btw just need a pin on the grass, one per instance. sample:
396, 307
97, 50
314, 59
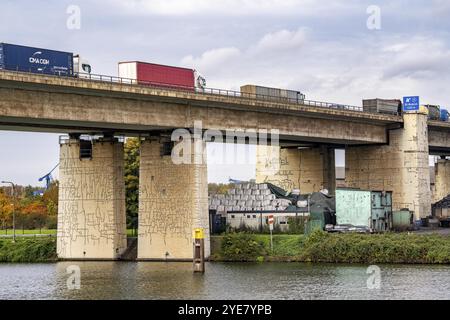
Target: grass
335, 248
318, 247
20, 231
28, 250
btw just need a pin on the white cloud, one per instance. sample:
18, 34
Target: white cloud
420, 58
322, 48
282, 40
327, 70
234, 7
212, 59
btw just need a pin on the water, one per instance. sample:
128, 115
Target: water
150, 280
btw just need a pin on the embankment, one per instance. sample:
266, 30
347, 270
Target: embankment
319, 247
388, 248
28, 250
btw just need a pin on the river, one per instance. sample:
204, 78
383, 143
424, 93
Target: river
153, 280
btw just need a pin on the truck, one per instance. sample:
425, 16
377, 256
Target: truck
152, 74
44, 61
274, 94
388, 106
434, 112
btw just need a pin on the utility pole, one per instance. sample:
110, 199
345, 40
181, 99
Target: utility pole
14, 207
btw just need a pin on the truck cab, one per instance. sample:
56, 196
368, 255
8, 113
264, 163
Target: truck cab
81, 67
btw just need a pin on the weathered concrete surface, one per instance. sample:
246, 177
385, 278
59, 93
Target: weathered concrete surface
173, 201
91, 211
441, 187
401, 167
47, 103
439, 138
309, 170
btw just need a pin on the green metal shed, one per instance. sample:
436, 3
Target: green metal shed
372, 209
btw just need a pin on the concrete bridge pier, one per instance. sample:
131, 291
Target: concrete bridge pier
91, 211
402, 166
442, 180
173, 200
308, 169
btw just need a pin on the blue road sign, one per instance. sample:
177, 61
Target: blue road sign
411, 103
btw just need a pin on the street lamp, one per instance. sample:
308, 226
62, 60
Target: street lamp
14, 213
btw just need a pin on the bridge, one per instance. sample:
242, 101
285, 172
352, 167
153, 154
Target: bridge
383, 152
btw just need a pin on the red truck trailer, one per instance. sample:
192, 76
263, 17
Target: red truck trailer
157, 75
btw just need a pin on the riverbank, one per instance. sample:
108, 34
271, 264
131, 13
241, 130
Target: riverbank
395, 248
402, 248
28, 250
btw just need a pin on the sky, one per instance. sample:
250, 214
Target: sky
336, 51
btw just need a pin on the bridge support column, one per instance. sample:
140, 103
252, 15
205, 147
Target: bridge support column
173, 201
401, 167
442, 182
309, 170
91, 210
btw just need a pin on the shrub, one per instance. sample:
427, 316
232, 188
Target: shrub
242, 247
28, 250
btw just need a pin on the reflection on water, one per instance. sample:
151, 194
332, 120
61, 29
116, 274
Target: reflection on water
152, 280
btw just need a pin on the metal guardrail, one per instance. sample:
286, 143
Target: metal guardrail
205, 91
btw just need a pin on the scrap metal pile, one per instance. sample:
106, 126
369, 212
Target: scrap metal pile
444, 203
248, 197
441, 211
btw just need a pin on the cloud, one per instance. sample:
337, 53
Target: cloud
228, 61
321, 48
282, 40
366, 66
212, 59
234, 7
419, 58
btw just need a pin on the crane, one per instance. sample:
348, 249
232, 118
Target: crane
48, 177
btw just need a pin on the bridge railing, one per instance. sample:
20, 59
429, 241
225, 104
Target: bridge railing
206, 91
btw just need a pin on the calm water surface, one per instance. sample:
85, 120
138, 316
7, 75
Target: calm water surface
148, 280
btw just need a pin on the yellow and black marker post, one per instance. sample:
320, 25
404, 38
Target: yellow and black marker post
199, 250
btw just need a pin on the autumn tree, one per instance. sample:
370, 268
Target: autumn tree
50, 199
219, 188
33, 214
6, 209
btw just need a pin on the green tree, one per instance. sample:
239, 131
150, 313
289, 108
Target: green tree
132, 159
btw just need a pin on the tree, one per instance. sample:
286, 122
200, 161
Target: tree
34, 214
219, 188
132, 161
6, 209
50, 199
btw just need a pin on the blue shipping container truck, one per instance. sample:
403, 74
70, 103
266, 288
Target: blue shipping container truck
36, 60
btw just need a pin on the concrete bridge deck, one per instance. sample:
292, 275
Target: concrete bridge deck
33, 102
